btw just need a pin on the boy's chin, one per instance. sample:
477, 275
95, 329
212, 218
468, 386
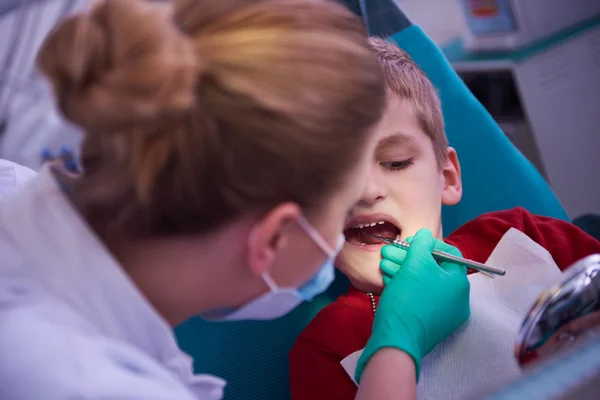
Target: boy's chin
362, 269
368, 285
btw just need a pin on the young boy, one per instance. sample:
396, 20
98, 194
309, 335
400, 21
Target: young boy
415, 173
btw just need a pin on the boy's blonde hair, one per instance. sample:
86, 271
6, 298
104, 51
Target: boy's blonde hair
406, 80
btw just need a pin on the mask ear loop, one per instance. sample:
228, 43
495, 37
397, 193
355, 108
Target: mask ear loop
266, 277
315, 236
310, 231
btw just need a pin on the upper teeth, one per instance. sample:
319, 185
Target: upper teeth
360, 226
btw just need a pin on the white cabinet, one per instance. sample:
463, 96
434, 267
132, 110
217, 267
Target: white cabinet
559, 89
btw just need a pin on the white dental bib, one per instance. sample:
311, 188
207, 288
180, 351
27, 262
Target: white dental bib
480, 355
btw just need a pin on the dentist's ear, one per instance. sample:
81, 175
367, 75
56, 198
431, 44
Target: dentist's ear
269, 235
452, 190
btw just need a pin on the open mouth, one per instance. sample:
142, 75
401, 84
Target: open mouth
359, 234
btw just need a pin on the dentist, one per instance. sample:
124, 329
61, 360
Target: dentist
225, 143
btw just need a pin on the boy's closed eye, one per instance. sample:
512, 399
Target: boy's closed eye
397, 165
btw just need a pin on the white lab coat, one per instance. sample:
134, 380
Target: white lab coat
12, 176
72, 324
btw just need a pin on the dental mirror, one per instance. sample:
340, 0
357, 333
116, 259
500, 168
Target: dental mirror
564, 315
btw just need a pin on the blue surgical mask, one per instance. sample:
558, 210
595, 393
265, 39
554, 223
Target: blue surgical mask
279, 301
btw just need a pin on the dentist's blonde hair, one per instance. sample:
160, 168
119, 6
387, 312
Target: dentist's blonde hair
199, 111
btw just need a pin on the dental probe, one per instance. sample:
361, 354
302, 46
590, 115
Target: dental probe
443, 256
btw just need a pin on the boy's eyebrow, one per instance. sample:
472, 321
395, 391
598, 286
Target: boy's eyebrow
396, 139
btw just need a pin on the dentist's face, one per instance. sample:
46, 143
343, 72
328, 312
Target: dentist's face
297, 257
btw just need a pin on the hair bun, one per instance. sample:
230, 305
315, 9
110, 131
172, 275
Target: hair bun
123, 63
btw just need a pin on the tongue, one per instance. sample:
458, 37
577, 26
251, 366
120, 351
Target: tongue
386, 230
366, 239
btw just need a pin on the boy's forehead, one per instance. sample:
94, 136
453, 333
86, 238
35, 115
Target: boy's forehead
399, 115
398, 138
399, 126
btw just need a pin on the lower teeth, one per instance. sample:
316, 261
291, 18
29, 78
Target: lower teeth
397, 238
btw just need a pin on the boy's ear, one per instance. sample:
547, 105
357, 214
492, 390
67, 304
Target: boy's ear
452, 191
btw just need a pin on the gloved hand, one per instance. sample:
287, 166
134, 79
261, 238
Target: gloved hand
422, 304
69, 161
393, 257
390, 268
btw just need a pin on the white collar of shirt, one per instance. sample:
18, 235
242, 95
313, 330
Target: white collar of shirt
74, 266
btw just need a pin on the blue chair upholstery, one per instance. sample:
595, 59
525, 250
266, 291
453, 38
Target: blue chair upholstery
253, 356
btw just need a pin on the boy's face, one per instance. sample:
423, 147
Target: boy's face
405, 191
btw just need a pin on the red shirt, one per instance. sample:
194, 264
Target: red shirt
344, 326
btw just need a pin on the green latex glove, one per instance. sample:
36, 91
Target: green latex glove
391, 264
390, 268
422, 304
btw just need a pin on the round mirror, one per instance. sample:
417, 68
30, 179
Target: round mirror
564, 315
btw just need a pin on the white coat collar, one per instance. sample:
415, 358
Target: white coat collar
75, 267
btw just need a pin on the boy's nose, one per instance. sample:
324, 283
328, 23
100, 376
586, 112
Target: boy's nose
375, 190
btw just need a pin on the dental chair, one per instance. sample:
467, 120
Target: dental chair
253, 356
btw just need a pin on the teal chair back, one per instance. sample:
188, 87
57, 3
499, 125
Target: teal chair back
253, 356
